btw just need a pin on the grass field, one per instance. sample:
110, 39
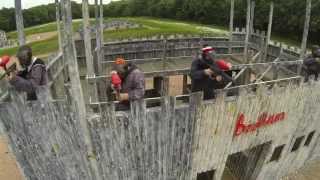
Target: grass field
50, 27
150, 27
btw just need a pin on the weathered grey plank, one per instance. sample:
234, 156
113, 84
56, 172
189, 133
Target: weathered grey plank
19, 22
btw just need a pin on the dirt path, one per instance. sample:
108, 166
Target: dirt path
40, 36
8, 167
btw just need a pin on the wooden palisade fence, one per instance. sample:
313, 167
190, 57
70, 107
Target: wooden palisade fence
264, 132
171, 141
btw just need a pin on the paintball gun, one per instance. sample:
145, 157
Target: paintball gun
218, 68
3, 63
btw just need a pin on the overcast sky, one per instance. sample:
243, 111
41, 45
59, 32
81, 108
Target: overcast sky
31, 3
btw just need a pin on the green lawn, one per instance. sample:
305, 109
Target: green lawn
150, 27
39, 48
50, 27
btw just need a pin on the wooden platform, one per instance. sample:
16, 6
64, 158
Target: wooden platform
8, 166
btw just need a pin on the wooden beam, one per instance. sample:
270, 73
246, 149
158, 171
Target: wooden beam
264, 82
246, 77
99, 49
164, 57
19, 23
152, 60
93, 92
253, 6
246, 44
58, 17
63, 41
267, 70
76, 89
185, 84
305, 32
231, 24
265, 56
187, 70
236, 77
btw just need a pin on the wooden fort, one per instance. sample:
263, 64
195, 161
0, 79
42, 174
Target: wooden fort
261, 129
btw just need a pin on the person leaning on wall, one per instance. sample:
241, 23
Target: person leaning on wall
128, 82
32, 75
202, 77
311, 64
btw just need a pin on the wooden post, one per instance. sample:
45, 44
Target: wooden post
231, 24
276, 66
269, 31
19, 23
247, 31
161, 85
76, 89
63, 41
87, 44
58, 24
164, 57
253, 5
305, 33
246, 45
185, 84
99, 49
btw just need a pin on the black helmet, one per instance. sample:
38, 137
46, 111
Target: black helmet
24, 55
316, 51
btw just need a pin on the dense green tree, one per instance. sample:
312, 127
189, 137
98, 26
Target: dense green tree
289, 15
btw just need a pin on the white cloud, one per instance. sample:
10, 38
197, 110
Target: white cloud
31, 3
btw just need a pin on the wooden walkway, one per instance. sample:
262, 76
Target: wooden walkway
8, 166
310, 172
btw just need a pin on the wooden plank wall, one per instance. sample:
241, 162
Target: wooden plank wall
152, 50
45, 139
167, 142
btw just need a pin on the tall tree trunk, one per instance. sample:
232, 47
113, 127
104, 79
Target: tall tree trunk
19, 22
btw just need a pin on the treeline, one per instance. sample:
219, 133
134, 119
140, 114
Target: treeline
288, 14
34, 16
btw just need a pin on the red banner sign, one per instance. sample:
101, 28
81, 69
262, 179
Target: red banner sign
264, 119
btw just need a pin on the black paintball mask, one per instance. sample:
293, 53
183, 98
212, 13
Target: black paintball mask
208, 54
316, 53
24, 56
124, 69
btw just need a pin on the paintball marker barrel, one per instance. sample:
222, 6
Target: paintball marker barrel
220, 72
12, 68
